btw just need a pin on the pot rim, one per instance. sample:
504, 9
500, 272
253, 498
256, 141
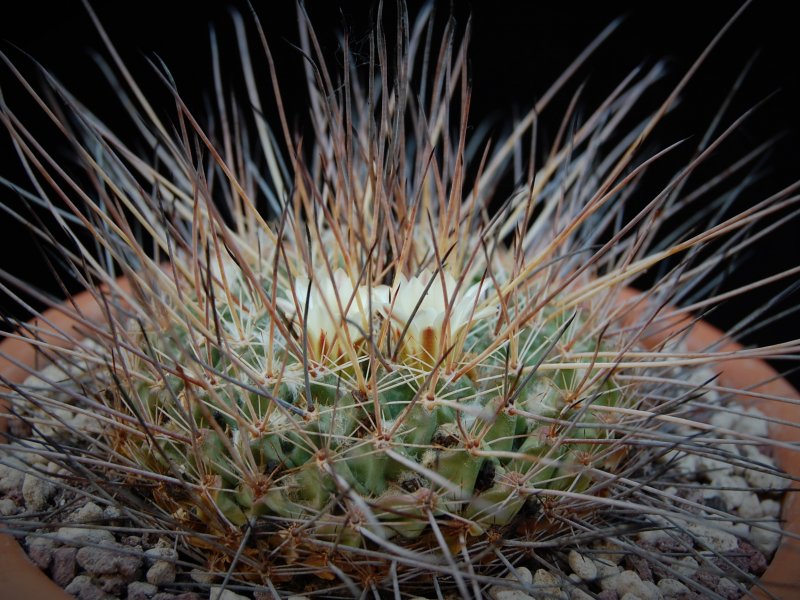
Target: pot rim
20, 578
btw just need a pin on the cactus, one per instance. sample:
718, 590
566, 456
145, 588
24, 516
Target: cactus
399, 401
376, 380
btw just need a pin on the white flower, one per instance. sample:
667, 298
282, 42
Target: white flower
426, 336
334, 311
426, 331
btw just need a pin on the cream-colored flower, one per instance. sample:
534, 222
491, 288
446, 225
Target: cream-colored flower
336, 311
426, 333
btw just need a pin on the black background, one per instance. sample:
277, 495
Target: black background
517, 50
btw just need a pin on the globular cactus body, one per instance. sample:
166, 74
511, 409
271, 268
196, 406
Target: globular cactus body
412, 437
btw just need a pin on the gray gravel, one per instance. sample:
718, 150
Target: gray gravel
94, 562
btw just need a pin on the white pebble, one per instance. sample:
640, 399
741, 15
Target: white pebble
161, 573
713, 467
712, 538
35, 459
723, 420
201, 576
628, 582
688, 463
728, 588
76, 536
521, 574
681, 461
686, 566
156, 554
609, 551
729, 451
7, 507
739, 529
84, 422
605, 572
661, 530
576, 593
752, 423
549, 586
141, 590
765, 481
83, 587
766, 541
111, 513
702, 377
770, 508
653, 591
500, 593
583, 567
750, 508
754, 453
12, 474
37, 492
50, 372
87, 513
653, 537
217, 593
734, 490
672, 588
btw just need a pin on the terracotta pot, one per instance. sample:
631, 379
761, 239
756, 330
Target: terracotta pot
19, 578
782, 577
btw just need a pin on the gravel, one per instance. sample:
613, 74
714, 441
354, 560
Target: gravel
110, 559
672, 588
65, 565
160, 553
81, 536
12, 474
549, 586
37, 491
583, 567
83, 587
88, 513
40, 551
89, 558
161, 573
522, 575
218, 593
141, 590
